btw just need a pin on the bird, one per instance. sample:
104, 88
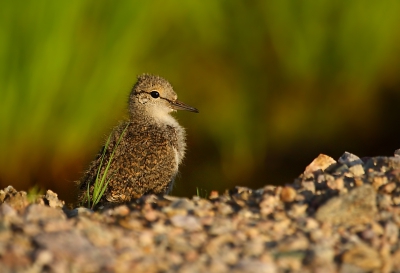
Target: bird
143, 153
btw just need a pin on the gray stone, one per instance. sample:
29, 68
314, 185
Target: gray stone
356, 207
350, 159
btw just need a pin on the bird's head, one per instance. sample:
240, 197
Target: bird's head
155, 96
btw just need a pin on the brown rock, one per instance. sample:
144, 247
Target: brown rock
190, 223
378, 181
73, 246
389, 188
356, 207
40, 213
53, 200
254, 266
214, 195
336, 184
391, 232
320, 163
16, 199
362, 256
288, 194
357, 170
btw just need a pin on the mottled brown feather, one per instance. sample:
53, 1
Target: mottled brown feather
150, 150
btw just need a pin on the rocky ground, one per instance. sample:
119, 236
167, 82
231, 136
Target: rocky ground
338, 216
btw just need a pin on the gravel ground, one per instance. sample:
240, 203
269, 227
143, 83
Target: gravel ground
338, 216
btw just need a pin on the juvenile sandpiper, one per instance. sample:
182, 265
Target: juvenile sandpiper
147, 149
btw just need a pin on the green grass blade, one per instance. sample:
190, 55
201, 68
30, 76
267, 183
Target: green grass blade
101, 183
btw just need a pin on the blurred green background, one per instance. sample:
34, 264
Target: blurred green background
276, 83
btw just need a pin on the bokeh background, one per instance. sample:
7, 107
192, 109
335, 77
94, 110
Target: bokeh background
276, 83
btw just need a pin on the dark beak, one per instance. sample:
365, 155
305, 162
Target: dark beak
178, 105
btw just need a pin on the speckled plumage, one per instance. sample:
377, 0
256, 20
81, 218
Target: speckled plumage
147, 158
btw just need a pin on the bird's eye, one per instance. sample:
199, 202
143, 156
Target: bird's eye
154, 94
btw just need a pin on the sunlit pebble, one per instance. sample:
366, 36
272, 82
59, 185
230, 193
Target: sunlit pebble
146, 238
391, 232
53, 226
214, 195
308, 186
43, 257
150, 215
218, 266
197, 239
183, 203
396, 200
357, 170
175, 258
384, 201
362, 256
311, 223
240, 236
207, 221
176, 231
122, 210
191, 255
203, 204
390, 187
224, 209
379, 181
190, 223
317, 235
222, 226
298, 210
294, 243
290, 263
336, 184
288, 194
358, 181
204, 213
32, 229
131, 223
229, 257
254, 248
170, 212
36, 213
268, 204
53, 200
7, 211
252, 232
254, 266
368, 234
280, 216
160, 227
197, 266
245, 213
